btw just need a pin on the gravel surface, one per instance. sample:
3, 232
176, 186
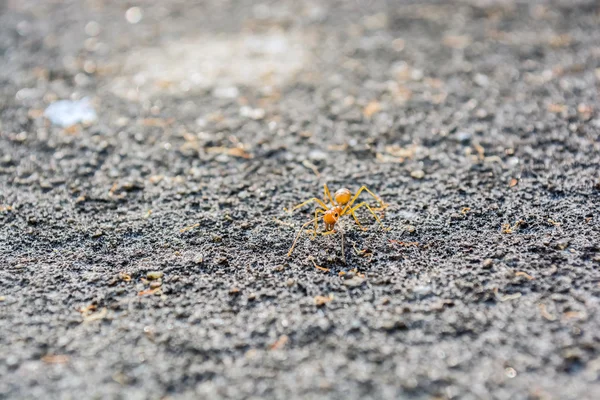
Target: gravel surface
143, 255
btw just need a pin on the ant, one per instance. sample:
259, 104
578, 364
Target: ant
341, 204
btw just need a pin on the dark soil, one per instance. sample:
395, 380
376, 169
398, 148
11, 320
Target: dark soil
477, 121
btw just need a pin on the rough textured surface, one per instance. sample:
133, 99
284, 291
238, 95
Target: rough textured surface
477, 121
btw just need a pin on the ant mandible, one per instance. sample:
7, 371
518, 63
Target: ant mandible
341, 204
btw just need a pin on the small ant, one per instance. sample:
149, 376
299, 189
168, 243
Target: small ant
341, 204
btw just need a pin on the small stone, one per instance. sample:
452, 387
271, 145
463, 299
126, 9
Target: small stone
421, 291
45, 185
98, 233
6, 160
562, 244
222, 260
252, 296
392, 325
410, 229
198, 259
133, 15
481, 80
463, 137
234, 291
226, 92
290, 282
317, 155
354, 282
154, 275
418, 174
12, 362
155, 284
488, 263
67, 113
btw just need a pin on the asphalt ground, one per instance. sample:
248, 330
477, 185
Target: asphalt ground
144, 255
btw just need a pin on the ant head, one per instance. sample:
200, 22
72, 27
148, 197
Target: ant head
331, 217
342, 196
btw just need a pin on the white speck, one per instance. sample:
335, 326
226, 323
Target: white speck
23, 28
317, 155
254, 113
416, 74
510, 372
28, 93
81, 79
92, 28
67, 113
133, 15
89, 66
422, 290
481, 80
226, 92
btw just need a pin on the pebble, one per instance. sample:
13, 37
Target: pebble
67, 113
463, 137
422, 290
410, 228
354, 282
11, 361
317, 155
417, 174
155, 284
488, 263
226, 92
154, 275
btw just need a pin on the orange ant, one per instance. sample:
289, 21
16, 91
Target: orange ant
341, 204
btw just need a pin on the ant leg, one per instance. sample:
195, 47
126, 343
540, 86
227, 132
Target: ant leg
382, 204
317, 212
318, 201
298, 236
328, 194
357, 221
343, 253
364, 204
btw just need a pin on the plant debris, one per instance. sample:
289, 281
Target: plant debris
311, 258
404, 244
526, 275
150, 291
322, 300
507, 297
545, 312
231, 151
372, 108
95, 317
508, 229
56, 359
280, 342
189, 228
